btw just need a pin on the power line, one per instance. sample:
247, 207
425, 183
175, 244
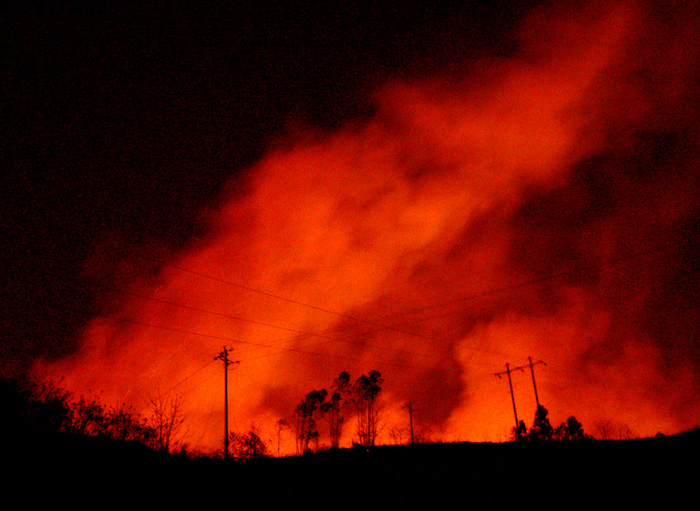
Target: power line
261, 323
380, 326
186, 378
228, 339
616, 263
616, 266
498, 290
494, 291
300, 332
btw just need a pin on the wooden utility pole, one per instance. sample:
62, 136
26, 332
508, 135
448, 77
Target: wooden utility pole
512, 395
409, 408
223, 356
532, 372
508, 370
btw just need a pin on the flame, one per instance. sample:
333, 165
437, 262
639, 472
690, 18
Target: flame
473, 221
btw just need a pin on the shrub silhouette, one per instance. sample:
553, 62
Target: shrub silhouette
248, 446
519, 433
570, 430
542, 429
45, 406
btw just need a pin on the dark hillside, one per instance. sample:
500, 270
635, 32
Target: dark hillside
49, 471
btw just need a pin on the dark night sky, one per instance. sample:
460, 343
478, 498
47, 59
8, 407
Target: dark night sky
130, 120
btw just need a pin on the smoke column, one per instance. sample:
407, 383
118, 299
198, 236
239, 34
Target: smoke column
540, 204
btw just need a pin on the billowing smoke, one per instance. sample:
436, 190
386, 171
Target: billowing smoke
542, 204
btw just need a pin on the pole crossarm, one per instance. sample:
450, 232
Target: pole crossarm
520, 368
223, 356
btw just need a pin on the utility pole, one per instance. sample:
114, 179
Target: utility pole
409, 408
508, 370
532, 372
223, 356
512, 395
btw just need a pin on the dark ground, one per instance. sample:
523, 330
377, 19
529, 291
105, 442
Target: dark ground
47, 472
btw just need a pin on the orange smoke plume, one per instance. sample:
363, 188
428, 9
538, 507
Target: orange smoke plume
529, 205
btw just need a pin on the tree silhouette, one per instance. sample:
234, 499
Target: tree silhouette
306, 414
571, 430
366, 391
519, 433
88, 417
167, 421
281, 425
335, 407
541, 427
247, 446
127, 425
27, 403
15, 396
54, 405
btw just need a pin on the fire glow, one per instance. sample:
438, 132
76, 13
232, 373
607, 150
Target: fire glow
473, 221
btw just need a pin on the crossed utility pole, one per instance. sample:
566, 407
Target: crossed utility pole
509, 370
223, 356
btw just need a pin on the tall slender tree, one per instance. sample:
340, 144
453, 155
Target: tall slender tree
307, 413
366, 391
334, 408
167, 420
